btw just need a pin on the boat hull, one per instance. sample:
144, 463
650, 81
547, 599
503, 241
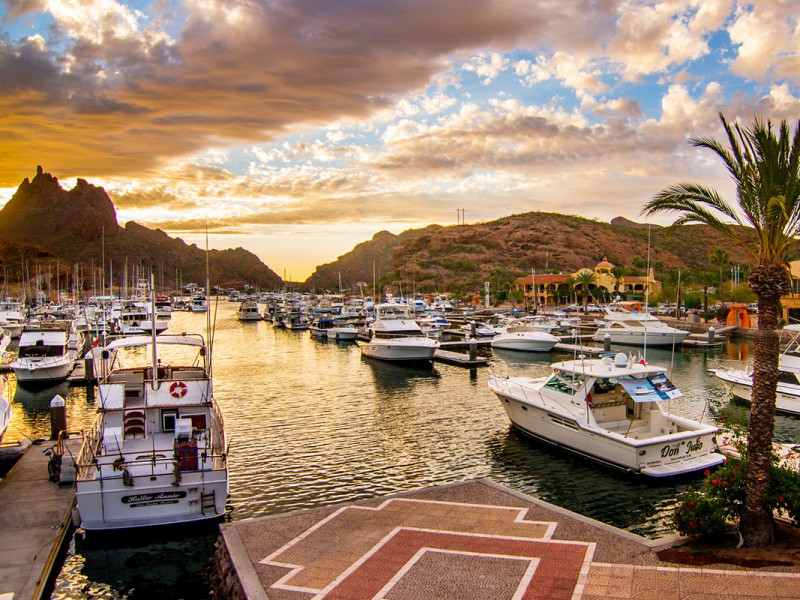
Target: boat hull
740, 383
400, 350
635, 338
658, 456
35, 371
111, 505
523, 343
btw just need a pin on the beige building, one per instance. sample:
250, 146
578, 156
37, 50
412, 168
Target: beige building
790, 305
557, 288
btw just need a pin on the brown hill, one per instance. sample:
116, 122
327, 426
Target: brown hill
43, 222
465, 256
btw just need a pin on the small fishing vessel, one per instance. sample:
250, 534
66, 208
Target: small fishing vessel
156, 454
248, 311
342, 330
615, 411
47, 352
787, 398
524, 336
396, 336
629, 323
320, 326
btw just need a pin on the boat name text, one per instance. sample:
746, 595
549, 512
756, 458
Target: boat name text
691, 447
151, 499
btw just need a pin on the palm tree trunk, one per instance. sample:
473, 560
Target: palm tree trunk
757, 525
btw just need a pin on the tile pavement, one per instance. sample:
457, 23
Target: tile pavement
474, 540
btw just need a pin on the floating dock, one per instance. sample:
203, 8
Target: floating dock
35, 522
459, 359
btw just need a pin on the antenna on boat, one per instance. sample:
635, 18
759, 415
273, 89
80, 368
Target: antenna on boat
155, 383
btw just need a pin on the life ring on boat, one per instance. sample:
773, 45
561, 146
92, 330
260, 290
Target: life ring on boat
178, 389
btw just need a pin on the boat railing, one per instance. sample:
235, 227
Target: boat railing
39, 362
538, 398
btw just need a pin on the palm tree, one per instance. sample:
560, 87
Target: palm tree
720, 258
765, 167
585, 278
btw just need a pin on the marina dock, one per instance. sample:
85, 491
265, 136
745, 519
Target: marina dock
35, 520
459, 359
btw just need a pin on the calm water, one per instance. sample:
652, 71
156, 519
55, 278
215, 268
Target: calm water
311, 423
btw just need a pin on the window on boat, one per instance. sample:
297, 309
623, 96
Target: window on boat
168, 418
566, 383
40, 350
787, 377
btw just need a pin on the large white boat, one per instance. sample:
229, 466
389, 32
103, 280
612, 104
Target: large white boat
525, 337
396, 336
47, 352
156, 454
248, 311
629, 323
342, 330
615, 411
12, 317
787, 398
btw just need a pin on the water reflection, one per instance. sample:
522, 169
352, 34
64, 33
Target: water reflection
311, 424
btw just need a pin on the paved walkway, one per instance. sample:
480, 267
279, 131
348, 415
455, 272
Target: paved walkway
470, 541
34, 515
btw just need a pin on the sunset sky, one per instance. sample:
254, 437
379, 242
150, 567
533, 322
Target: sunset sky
299, 128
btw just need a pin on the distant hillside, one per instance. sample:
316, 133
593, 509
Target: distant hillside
43, 221
465, 256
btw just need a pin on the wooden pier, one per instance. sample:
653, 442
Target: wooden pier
35, 522
459, 359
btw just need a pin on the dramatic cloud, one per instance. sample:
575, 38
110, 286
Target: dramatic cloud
289, 116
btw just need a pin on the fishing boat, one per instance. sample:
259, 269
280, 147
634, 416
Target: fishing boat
12, 317
524, 336
342, 330
629, 323
612, 410
156, 454
248, 311
787, 397
47, 352
319, 327
396, 336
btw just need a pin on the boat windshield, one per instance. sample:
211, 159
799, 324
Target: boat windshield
566, 383
40, 350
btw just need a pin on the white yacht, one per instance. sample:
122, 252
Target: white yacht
342, 330
156, 454
47, 352
524, 336
615, 411
136, 318
12, 317
319, 327
396, 336
787, 398
629, 323
248, 311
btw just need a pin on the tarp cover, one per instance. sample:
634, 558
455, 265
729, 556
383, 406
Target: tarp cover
655, 388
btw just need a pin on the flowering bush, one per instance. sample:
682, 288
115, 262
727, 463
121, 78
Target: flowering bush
716, 508
698, 515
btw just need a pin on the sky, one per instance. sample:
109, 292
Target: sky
299, 128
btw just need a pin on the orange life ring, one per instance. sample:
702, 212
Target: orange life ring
178, 389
